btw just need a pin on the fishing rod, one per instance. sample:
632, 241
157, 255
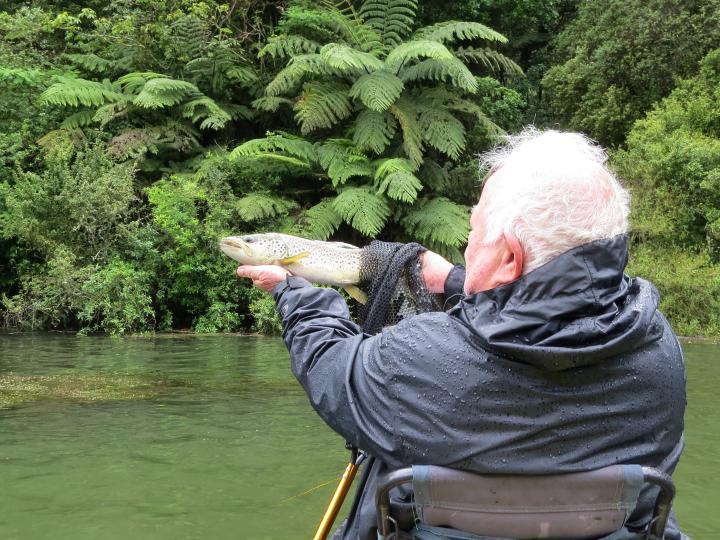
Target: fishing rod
341, 491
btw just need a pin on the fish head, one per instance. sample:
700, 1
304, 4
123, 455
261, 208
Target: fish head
254, 248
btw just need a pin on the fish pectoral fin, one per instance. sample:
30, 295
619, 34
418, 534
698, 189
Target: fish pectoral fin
356, 293
294, 258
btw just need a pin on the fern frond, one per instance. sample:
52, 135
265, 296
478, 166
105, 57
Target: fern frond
107, 113
318, 222
341, 160
441, 70
412, 50
395, 176
164, 92
206, 109
443, 131
374, 130
433, 175
469, 107
293, 74
246, 76
449, 31
257, 206
21, 76
391, 19
132, 83
493, 61
377, 90
362, 209
72, 92
79, 119
349, 24
90, 62
406, 113
284, 46
270, 103
346, 59
438, 220
322, 105
294, 146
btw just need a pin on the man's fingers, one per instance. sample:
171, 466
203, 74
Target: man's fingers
247, 271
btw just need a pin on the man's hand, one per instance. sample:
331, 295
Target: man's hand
264, 276
435, 270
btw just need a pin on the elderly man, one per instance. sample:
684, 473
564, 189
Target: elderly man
553, 360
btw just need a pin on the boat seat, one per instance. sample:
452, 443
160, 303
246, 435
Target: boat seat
455, 504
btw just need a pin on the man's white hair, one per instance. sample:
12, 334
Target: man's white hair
555, 193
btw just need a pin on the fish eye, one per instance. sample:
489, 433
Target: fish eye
248, 240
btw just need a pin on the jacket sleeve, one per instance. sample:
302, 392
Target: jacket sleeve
339, 367
454, 285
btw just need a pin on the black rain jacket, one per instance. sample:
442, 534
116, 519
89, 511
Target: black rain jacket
570, 368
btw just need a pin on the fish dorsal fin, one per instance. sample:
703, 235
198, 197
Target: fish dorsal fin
294, 258
342, 245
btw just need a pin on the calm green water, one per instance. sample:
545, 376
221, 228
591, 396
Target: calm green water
217, 453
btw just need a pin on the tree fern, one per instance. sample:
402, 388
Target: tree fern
443, 131
294, 147
341, 160
433, 175
290, 77
395, 177
72, 92
391, 19
412, 50
362, 209
377, 90
256, 206
163, 92
133, 83
492, 60
449, 31
319, 221
441, 70
322, 105
374, 130
345, 58
90, 62
203, 108
438, 221
406, 114
270, 103
284, 46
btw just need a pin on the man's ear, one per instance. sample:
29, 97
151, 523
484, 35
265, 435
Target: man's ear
513, 259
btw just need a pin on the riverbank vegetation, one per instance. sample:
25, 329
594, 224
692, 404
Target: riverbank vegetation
135, 135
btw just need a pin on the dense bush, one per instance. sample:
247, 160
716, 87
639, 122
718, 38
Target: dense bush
618, 57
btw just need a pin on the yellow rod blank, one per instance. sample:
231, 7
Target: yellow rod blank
336, 502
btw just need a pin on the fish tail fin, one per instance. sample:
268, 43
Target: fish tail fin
356, 293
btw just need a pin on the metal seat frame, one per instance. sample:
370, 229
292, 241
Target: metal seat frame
655, 529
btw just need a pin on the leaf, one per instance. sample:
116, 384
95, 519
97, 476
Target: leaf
322, 105
344, 58
90, 62
318, 222
443, 131
257, 206
412, 50
284, 46
406, 113
492, 60
441, 70
270, 103
374, 130
164, 92
73, 92
449, 31
342, 161
377, 90
438, 220
363, 209
391, 19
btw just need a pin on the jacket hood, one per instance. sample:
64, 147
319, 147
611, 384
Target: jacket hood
575, 310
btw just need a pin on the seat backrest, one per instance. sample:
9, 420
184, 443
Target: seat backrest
579, 505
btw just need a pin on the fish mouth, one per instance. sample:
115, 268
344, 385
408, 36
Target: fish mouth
231, 244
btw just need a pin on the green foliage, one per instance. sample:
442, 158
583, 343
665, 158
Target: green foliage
689, 287
613, 66
264, 313
673, 164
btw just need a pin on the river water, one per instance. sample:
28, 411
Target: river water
225, 445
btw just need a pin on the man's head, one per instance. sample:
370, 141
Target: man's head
547, 193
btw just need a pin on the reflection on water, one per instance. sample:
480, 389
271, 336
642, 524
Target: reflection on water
220, 452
